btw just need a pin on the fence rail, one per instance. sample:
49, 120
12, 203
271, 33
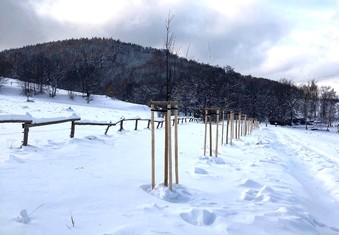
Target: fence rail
27, 125
76, 121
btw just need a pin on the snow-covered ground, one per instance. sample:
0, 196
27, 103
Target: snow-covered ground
278, 180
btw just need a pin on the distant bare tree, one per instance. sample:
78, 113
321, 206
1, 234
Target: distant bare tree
5, 68
314, 97
2, 81
328, 99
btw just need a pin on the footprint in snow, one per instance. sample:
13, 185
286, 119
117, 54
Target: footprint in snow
199, 217
249, 183
212, 160
16, 159
200, 171
264, 194
152, 207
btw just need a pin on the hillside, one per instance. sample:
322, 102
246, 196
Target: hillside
133, 73
137, 74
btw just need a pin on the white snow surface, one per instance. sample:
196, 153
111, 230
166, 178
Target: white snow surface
278, 180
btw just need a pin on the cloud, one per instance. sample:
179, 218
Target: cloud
238, 37
19, 25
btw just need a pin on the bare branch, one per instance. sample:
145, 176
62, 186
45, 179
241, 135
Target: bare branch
170, 38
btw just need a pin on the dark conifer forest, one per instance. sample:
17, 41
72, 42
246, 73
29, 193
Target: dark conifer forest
137, 74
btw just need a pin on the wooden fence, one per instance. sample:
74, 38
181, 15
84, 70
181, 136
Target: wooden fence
26, 126
27, 123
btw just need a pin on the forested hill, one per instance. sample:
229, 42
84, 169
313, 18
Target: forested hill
137, 74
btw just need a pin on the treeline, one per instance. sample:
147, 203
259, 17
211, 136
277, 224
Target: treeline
137, 74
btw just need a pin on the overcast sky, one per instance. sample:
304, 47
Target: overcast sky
292, 39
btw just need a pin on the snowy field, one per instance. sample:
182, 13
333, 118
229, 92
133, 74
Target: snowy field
279, 180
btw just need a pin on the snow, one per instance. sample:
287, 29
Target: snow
16, 117
278, 180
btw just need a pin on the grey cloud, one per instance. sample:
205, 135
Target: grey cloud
18, 24
242, 42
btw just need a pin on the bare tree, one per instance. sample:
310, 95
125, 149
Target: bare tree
309, 101
169, 48
314, 95
328, 98
3, 80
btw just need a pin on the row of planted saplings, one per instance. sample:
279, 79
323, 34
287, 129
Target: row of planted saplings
233, 126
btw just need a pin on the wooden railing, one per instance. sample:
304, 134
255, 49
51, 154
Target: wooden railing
27, 123
26, 126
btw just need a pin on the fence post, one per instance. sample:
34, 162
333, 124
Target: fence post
72, 129
136, 124
26, 130
121, 125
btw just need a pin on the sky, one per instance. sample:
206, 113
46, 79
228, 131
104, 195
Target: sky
291, 39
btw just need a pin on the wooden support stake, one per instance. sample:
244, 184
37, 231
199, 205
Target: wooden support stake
239, 125
153, 146
205, 139
176, 145
168, 163
246, 122
210, 136
236, 127
216, 135
222, 128
169, 139
227, 126
232, 127
166, 152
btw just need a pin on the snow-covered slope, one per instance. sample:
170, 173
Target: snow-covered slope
275, 181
